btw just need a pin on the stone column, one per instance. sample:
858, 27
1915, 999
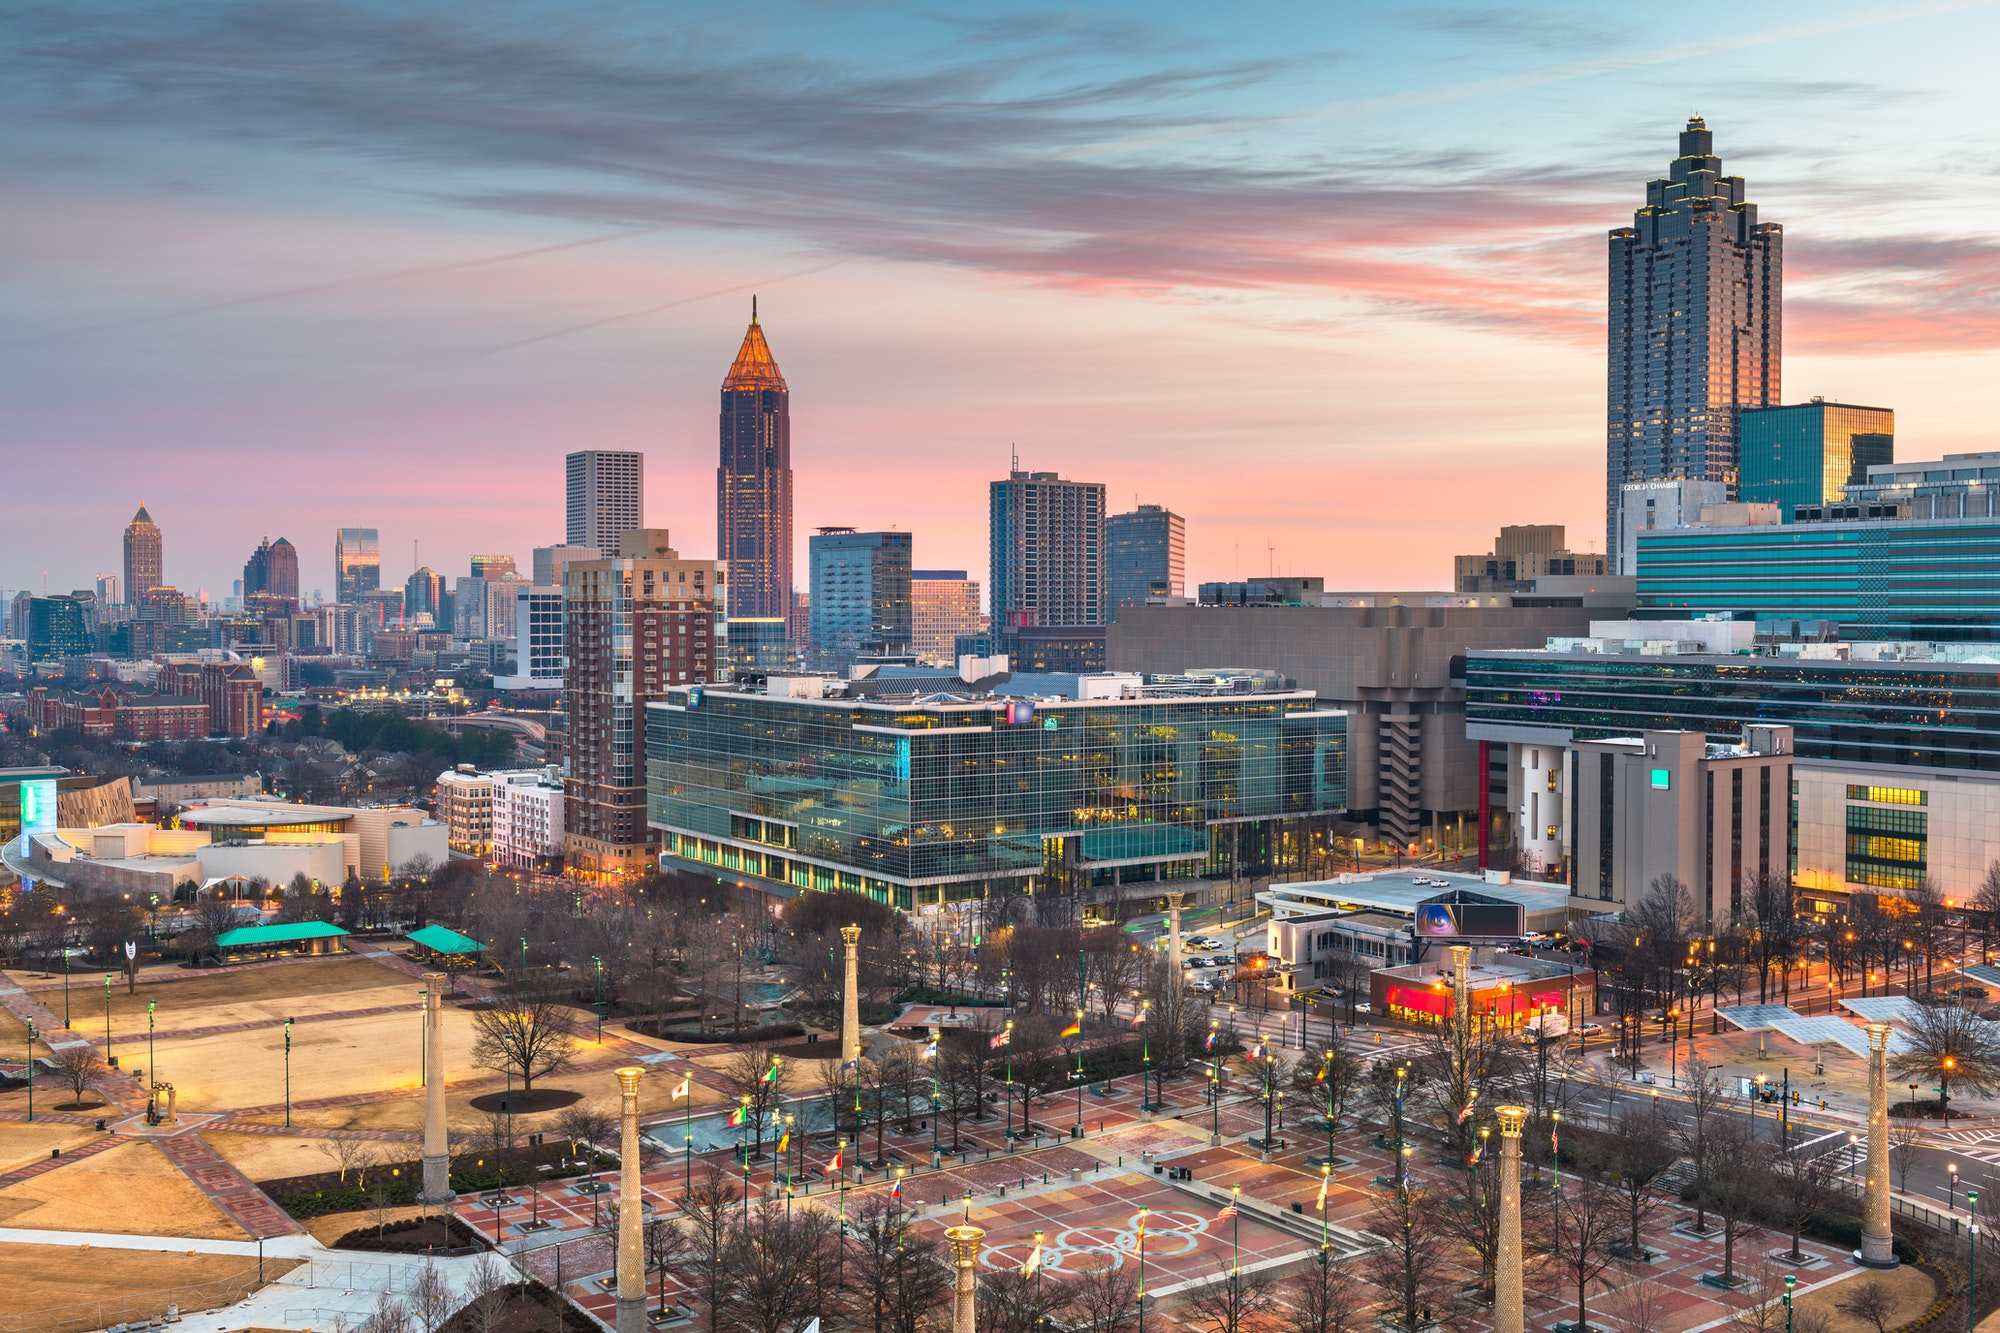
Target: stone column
850, 998
1876, 1250
437, 1141
631, 1210
965, 1260
1174, 937
1461, 992
1509, 1312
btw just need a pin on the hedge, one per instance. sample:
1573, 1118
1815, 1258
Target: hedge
767, 1032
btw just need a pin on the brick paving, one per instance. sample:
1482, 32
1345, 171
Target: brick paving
246, 1205
48, 1164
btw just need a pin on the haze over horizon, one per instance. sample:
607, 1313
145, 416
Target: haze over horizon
1331, 286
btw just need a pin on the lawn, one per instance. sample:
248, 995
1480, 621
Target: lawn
51, 1278
131, 1189
212, 997
23, 1144
1910, 1286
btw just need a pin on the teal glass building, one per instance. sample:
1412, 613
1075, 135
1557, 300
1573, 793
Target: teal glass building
1932, 579
1805, 454
947, 799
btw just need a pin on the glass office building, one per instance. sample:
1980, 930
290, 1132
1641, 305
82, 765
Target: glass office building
1808, 453
860, 594
1146, 556
1937, 715
1935, 579
918, 803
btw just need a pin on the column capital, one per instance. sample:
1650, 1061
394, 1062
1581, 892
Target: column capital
1511, 1120
965, 1244
851, 934
1878, 1036
628, 1079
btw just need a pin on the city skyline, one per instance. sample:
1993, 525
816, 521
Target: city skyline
1331, 329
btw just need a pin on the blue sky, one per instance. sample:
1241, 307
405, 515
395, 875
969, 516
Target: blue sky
1327, 279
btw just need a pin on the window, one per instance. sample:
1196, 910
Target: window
1888, 795
1887, 848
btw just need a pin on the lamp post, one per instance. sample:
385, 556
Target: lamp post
1972, 1260
1790, 1281
288, 1073
1009, 1044
1951, 1187
1401, 1177
1146, 1102
107, 1015
65, 983
152, 1071
1325, 1069
1078, 1132
600, 998
30, 1071
1214, 1088
1142, 1270
507, 1041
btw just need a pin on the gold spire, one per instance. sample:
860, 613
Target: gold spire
754, 367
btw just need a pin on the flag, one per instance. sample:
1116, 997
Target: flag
1209, 1045
738, 1116
855, 1063
896, 1190
1320, 1077
682, 1090
1000, 1038
834, 1165
1139, 1018
1467, 1112
784, 1139
771, 1075
1073, 1030
1258, 1054
1228, 1210
1319, 1205
1034, 1262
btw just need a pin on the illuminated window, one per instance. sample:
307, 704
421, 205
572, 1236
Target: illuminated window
1888, 795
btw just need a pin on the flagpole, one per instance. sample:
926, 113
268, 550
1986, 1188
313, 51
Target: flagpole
1235, 1232
1142, 1270
687, 1128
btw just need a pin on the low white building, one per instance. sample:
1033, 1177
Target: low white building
528, 819
465, 806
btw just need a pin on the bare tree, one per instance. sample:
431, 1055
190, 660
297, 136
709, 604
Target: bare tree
584, 1126
387, 1316
1947, 1044
1761, 1304
1738, 1183
1012, 1302
1231, 1302
895, 1272
752, 1074
430, 1297
1636, 1154
1870, 1301
1105, 1300
1588, 1217
527, 1031
356, 1155
772, 1269
1640, 1305
1325, 1298
80, 1069
1801, 1186
1414, 1270
667, 1244
1906, 1148
1708, 1099
709, 1210
486, 1294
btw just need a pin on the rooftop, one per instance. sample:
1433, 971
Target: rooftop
251, 813
1400, 891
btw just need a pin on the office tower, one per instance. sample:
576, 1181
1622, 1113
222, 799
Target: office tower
634, 623
550, 561
860, 594
1047, 550
1520, 555
605, 497
758, 644
492, 566
110, 592
1809, 453
753, 485
483, 608
421, 594
58, 627
144, 557
1695, 301
538, 639
357, 562
944, 604
1147, 556
272, 571
1646, 506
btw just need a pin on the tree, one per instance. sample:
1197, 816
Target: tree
1947, 1042
584, 1126
80, 1069
1906, 1147
667, 1244
1801, 1185
709, 1208
431, 1297
1325, 1298
1708, 1100
1105, 1300
771, 1261
1588, 1216
485, 1294
526, 1031
1634, 1156
896, 1273
1010, 1302
356, 1155
1640, 1305
752, 1074
1870, 1301
1414, 1270
1231, 1302
1739, 1182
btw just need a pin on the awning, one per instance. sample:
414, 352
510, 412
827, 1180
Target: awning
290, 933
1422, 1001
441, 939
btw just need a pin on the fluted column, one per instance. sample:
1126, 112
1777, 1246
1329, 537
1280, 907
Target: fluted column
965, 1261
1509, 1310
631, 1209
850, 995
1461, 989
1877, 1249
437, 1141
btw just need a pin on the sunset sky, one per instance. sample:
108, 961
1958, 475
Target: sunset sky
1328, 279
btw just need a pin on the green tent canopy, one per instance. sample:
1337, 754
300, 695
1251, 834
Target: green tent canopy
439, 939
291, 932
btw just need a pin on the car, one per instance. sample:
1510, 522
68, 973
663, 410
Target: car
1590, 1029
1361, 1007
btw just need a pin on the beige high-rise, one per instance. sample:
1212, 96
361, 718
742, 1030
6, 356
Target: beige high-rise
631, 1209
1877, 1248
965, 1263
1509, 1308
437, 1141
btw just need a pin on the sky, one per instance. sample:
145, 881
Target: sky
1325, 278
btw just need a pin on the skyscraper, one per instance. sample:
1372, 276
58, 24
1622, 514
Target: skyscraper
1046, 543
753, 485
1146, 553
944, 604
1810, 453
144, 558
1695, 297
357, 562
606, 497
422, 594
271, 571
634, 623
860, 594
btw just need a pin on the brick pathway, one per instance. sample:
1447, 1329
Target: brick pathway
48, 1164
115, 1086
279, 1131
253, 1024
246, 1205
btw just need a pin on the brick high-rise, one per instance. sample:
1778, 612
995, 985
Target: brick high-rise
143, 557
753, 484
1696, 291
634, 623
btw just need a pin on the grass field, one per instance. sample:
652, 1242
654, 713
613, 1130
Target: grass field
213, 997
79, 1281
23, 1144
1911, 1287
131, 1189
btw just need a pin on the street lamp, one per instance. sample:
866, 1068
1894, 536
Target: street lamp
107, 1015
1214, 1087
1972, 1259
600, 998
1951, 1186
1790, 1281
32, 1034
288, 1073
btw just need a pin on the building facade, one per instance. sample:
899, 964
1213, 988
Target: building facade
1145, 556
634, 625
1647, 506
920, 804
1047, 549
759, 644
145, 556
119, 713
538, 639
423, 595
232, 692
58, 627
271, 572
1694, 336
528, 820
944, 604
604, 497
357, 562
547, 563
860, 594
1520, 555
1805, 454
753, 481
465, 808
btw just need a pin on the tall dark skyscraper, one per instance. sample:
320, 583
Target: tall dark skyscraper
1696, 292
143, 557
357, 562
1047, 546
753, 486
272, 571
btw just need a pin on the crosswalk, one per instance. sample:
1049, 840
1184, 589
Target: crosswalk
1980, 1145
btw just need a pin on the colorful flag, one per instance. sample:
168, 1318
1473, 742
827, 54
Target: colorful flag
1139, 1018
1000, 1038
1320, 1077
1467, 1112
682, 1090
1320, 1204
1073, 1030
896, 1190
739, 1116
834, 1165
784, 1139
1034, 1262
1209, 1045
1228, 1210
1258, 1054
853, 1064
771, 1075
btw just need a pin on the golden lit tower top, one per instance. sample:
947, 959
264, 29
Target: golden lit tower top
754, 367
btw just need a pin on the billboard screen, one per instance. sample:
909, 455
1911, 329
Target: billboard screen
38, 805
1476, 921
